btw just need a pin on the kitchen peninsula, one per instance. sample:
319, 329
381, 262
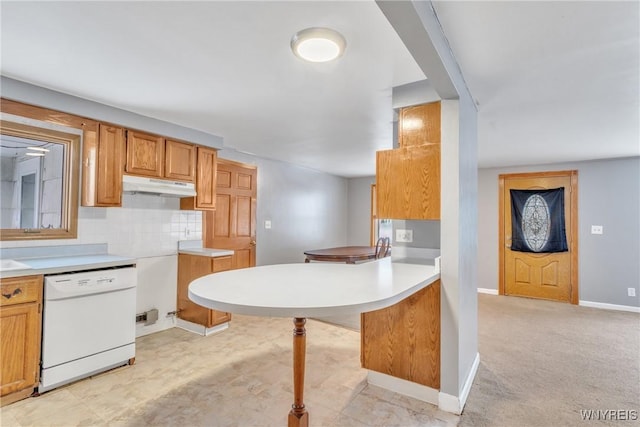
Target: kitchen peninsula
314, 290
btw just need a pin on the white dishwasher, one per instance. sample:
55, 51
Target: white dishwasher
88, 324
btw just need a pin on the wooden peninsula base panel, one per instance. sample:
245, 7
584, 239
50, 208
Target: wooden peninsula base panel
403, 340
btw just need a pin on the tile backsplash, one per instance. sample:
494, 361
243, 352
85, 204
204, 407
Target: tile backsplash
144, 226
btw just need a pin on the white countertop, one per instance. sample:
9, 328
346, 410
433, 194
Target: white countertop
213, 253
52, 265
313, 289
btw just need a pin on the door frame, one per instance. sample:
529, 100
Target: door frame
573, 212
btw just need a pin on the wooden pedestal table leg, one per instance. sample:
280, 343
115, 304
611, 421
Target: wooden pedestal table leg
298, 416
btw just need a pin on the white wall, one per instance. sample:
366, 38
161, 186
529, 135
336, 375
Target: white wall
608, 195
307, 209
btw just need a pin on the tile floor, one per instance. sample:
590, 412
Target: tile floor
241, 376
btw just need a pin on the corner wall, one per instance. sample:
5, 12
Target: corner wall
608, 195
307, 209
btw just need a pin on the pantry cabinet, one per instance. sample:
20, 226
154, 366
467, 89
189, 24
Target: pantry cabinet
20, 328
103, 158
408, 183
419, 124
206, 167
408, 178
190, 268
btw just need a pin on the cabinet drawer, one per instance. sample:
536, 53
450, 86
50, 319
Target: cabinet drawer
19, 290
222, 263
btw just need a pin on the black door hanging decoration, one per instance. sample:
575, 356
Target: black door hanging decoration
537, 221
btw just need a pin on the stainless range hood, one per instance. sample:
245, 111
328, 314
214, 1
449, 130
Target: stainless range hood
160, 187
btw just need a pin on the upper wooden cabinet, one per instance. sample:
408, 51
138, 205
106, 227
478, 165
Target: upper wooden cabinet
145, 154
103, 158
408, 182
205, 182
408, 178
20, 326
179, 160
419, 124
151, 155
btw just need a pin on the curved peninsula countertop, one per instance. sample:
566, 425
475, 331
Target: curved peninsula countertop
310, 290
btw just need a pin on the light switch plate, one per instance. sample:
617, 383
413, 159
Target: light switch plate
267, 224
596, 229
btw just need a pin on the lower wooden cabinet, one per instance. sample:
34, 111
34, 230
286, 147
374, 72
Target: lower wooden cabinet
191, 267
404, 340
20, 329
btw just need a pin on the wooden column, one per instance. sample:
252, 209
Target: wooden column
298, 416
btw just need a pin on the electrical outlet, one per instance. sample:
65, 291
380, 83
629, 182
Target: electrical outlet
405, 236
631, 292
596, 229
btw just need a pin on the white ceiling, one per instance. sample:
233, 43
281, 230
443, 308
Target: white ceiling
553, 81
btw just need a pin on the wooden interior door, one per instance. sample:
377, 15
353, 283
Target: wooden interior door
233, 224
552, 276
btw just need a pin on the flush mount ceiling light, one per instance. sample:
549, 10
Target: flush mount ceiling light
318, 44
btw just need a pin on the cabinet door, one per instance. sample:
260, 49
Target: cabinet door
218, 264
206, 178
145, 154
20, 329
180, 160
19, 347
191, 267
408, 183
419, 125
110, 165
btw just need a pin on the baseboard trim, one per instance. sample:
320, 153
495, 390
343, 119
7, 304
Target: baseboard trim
449, 403
610, 306
404, 387
199, 329
593, 304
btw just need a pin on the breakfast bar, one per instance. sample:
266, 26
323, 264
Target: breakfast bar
308, 290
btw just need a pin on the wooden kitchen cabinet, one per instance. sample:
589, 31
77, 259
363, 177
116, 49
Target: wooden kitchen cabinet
20, 328
408, 182
191, 267
205, 198
180, 160
419, 124
145, 154
403, 340
155, 156
103, 158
